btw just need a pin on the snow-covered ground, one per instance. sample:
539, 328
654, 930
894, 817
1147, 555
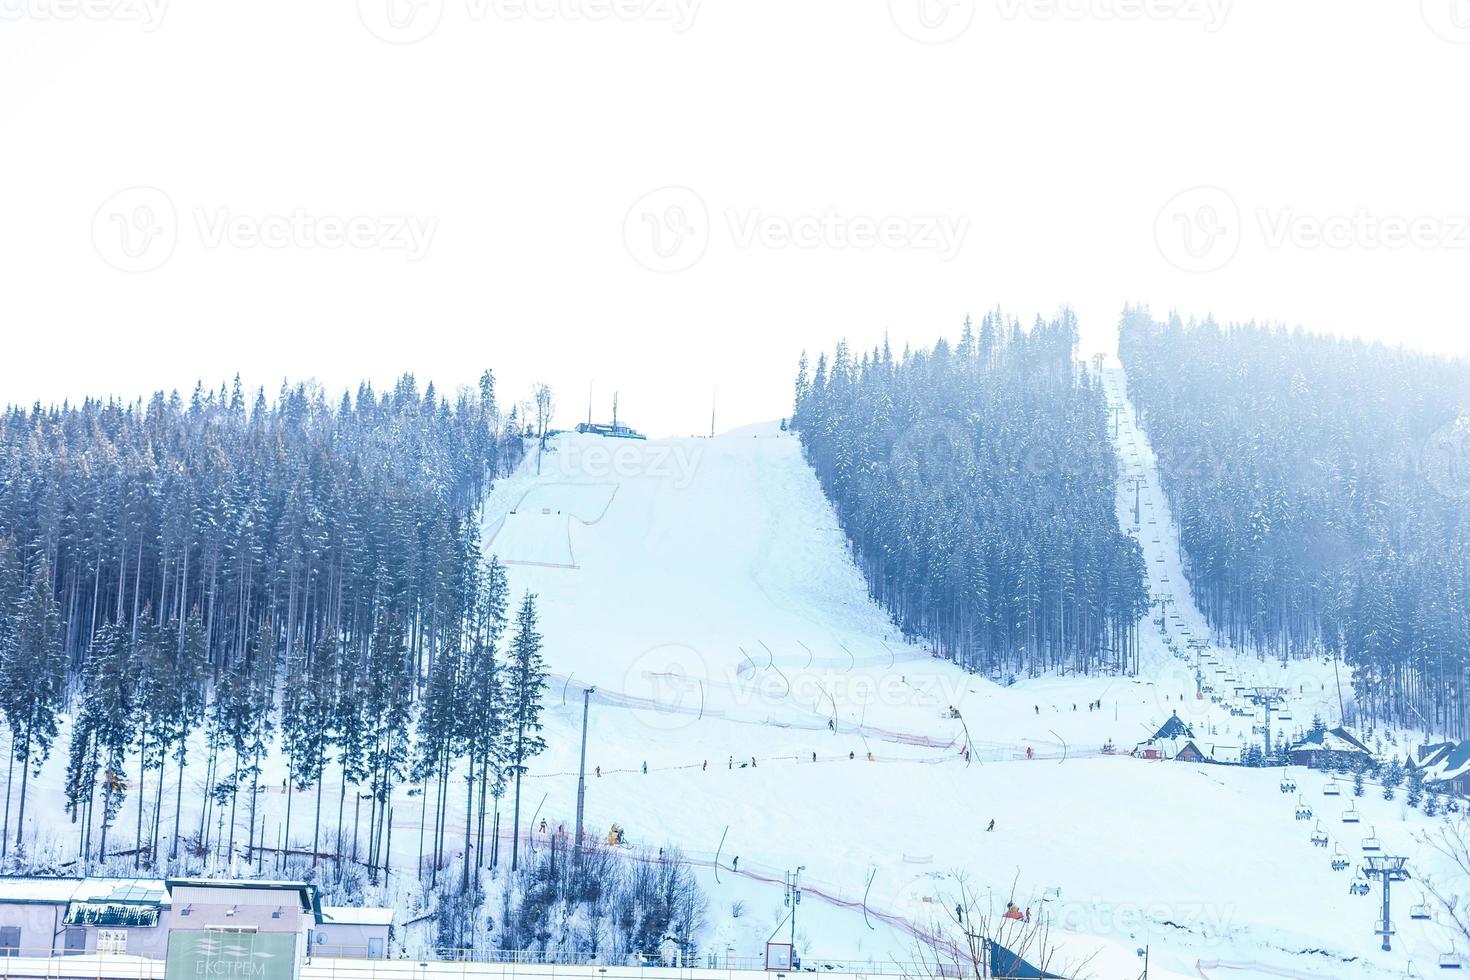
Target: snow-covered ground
715, 611
703, 589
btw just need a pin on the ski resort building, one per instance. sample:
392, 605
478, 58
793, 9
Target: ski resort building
1172, 738
177, 919
1330, 749
1447, 764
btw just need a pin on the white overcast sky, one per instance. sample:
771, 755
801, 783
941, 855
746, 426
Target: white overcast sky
671, 195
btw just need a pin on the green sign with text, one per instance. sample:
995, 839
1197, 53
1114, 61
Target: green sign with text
219, 954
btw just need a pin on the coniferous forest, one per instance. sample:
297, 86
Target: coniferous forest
976, 484
291, 576
1319, 488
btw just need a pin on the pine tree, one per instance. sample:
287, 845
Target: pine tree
32, 672
526, 683
1416, 787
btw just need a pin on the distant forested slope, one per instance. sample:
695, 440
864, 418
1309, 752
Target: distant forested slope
976, 485
1319, 487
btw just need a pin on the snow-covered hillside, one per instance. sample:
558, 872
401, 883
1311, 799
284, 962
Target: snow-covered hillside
702, 588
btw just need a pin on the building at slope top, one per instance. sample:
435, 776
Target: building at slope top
180, 918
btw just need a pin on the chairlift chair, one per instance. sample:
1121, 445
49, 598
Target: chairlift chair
1450, 961
1332, 789
1421, 912
1319, 836
1351, 815
1371, 843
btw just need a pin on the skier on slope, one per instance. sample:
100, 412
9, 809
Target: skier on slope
992, 825
645, 767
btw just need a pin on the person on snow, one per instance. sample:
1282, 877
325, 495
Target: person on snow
1030, 752
831, 725
732, 762
543, 825
598, 770
1036, 708
735, 864
814, 757
1028, 913
992, 825
850, 755
645, 767
752, 762
705, 767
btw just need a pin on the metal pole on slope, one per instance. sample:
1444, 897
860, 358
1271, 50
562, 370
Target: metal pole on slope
582, 777
793, 897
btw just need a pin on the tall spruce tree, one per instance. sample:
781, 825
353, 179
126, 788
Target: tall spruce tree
526, 684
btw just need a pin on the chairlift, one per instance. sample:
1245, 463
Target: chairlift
1319, 836
1303, 809
1283, 715
1371, 843
1288, 785
1332, 789
1340, 860
1358, 888
1350, 815
1450, 961
1421, 912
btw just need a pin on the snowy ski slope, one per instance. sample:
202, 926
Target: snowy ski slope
702, 587
715, 611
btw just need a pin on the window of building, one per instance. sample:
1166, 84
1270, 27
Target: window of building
9, 940
112, 941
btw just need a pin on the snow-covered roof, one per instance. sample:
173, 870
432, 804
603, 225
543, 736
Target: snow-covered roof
342, 915
1230, 754
1174, 728
1452, 764
60, 891
1332, 740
